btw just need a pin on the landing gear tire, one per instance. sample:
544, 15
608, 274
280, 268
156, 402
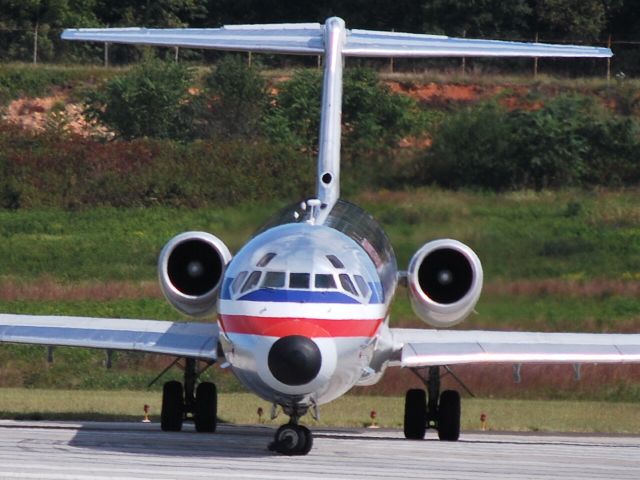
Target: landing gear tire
206, 408
172, 407
292, 440
449, 416
415, 414
308, 442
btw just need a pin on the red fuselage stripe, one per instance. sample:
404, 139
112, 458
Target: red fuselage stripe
309, 327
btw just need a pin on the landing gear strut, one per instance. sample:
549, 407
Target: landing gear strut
198, 404
432, 409
292, 439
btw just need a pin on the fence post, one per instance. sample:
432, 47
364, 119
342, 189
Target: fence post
535, 61
106, 54
463, 65
391, 58
177, 51
35, 45
609, 61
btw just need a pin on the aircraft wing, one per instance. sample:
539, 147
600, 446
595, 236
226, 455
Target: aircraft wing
421, 348
308, 39
181, 339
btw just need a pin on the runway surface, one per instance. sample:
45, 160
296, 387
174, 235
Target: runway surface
67, 450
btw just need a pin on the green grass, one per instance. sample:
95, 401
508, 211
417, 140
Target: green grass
538, 240
524, 235
348, 411
24, 79
108, 244
549, 234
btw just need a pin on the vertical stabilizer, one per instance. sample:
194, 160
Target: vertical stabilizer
328, 181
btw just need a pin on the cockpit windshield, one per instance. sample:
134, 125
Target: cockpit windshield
354, 286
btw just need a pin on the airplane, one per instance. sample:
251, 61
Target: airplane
303, 307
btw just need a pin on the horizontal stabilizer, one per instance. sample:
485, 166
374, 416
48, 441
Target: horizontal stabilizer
194, 340
439, 347
303, 39
308, 39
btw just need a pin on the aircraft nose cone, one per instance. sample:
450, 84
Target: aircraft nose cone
295, 360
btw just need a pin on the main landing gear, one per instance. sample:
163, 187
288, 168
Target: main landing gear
199, 405
438, 411
292, 439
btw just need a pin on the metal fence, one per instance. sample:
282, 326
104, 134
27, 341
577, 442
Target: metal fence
43, 45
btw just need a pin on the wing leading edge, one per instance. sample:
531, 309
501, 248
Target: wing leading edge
309, 39
421, 348
193, 340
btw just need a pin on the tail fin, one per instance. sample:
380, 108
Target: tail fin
333, 41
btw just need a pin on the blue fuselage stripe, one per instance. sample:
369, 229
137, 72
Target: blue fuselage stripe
297, 296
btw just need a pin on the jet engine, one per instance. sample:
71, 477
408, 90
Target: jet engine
445, 281
190, 269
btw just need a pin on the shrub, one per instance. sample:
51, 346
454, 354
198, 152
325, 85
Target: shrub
295, 119
373, 117
570, 141
238, 97
45, 170
150, 100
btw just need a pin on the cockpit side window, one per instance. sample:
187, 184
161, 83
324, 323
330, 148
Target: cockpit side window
362, 285
335, 261
274, 280
235, 286
347, 284
299, 280
252, 281
325, 281
265, 260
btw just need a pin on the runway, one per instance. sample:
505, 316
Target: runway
88, 450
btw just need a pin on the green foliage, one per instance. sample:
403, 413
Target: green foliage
559, 20
150, 100
296, 116
34, 81
373, 117
570, 141
50, 170
572, 18
238, 95
477, 17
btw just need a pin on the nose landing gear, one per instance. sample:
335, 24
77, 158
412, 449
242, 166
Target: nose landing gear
291, 439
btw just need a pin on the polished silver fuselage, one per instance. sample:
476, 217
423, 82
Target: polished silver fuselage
332, 283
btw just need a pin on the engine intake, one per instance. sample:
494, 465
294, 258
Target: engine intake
445, 281
190, 269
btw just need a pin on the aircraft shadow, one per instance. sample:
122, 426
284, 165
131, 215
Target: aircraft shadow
229, 441
251, 441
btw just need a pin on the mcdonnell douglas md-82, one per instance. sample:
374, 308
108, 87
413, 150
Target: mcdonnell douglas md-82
303, 308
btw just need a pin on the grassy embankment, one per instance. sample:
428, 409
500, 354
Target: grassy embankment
564, 261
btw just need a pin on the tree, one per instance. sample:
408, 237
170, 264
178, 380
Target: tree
373, 117
238, 97
579, 19
478, 18
49, 17
151, 100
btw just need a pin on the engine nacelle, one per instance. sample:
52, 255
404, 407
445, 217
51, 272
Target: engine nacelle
190, 269
445, 281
